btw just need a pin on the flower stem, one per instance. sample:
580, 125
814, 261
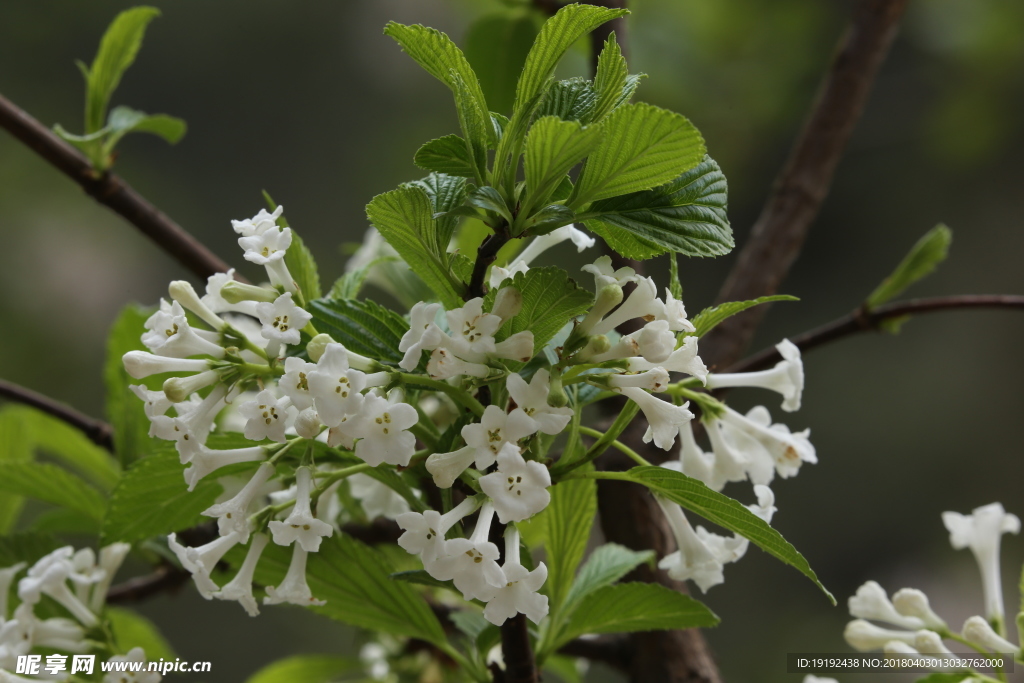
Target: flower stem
604, 442
459, 396
618, 445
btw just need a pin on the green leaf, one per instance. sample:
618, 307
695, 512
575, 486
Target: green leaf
610, 79
686, 215
605, 566
125, 412
572, 510
623, 242
134, 630
496, 46
563, 668
675, 286
302, 267
489, 199
631, 607
643, 146
551, 217
573, 99
308, 669
550, 299
472, 624
25, 547
16, 439
929, 251
351, 283
124, 120
725, 512
445, 192
51, 484
422, 578
152, 499
446, 154
364, 327
117, 51
709, 318
64, 521
553, 147
405, 218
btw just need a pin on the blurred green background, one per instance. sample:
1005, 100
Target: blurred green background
312, 103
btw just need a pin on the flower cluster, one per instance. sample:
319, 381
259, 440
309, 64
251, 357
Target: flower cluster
77, 581
918, 629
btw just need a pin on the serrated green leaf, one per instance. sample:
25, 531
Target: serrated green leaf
134, 630
447, 154
302, 267
125, 412
922, 259
472, 624
686, 215
496, 46
551, 217
572, 510
675, 286
364, 327
51, 484
550, 299
124, 120
421, 577
25, 547
605, 566
695, 496
488, 198
405, 218
446, 192
351, 283
308, 669
16, 440
117, 51
152, 499
553, 147
573, 99
610, 79
709, 318
630, 607
64, 521
643, 146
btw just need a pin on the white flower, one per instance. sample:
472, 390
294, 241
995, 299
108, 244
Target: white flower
258, 224
266, 416
871, 602
423, 334
200, 561
217, 303
170, 335
664, 419
424, 533
499, 274
605, 275
656, 341
982, 531
978, 630
268, 249
179, 389
684, 359
930, 642
787, 377
295, 381
301, 526
532, 399
140, 364
183, 293
652, 380
25, 631
376, 499
788, 450
911, 602
542, 243
232, 515
240, 587
445, 468
111, 558
85, 573
136, 654
495, 429
507, 303
693, 560
472, 331
693, 461
519, 593
293, 588
382, 429
334, 387
642, 302
206, 460
444, 364
471, 563
865, 636
282, 320
732, 462
675, 314
518, 346
518, 489
48, 577
194, 422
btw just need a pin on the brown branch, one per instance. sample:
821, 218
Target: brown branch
110, 190
99, 432
166, 578
517, 653
485, 256
778, 235
871, 321
615, 651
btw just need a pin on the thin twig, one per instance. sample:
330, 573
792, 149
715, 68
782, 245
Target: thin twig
110, 190
871, 321
778, 235
97, 431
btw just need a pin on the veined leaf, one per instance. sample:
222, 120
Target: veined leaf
134, 630
496, 46
308, 669
553, 147
605, 566
643, 146
125, 412
124, 120
695, 496
445, 192
573, 99
489, 199
364, 327
51, 484
447, 154
298, 258
550, 299
929, 251
686, 215
610, 79
572, 510
25, 547
15, 446
117, 51
709, 318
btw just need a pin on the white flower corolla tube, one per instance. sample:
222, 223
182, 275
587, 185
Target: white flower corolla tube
423, 334
982, 532
194, 422
214, 297
693, 461
376, 499
335, 387
910, 602
786, 378
656, 341
267, 249
978, 630
444, 364
423, 534
499, 274
642, 302
472, 563
169, 334
183, 293
519, 593
507, 303
382, 428
178, 389
206, 460
111, 558
445, 468
155, 403
240, 587
49, 577
233, 515
139, 364
606, 275
871, 602
258, 224
201, 560
674, 313
283, 319
788, 449
693, 560
532, 399
518, 489
651, 380
930, 643
730, 463
293, 588
542, 243
663, 418
55, 632
817, 679
684, 359
864, 636
301, 526
518, 346
472, 331
495, 429
85, 573
266, 417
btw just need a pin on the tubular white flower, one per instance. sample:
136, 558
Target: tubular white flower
268, 249
445, 468
471, 563
911, 602
156, 405
140, 364
200, 561
542, 243
258, 224
423, 334
335, 387
194, 422
178, 389
265, 417
295, 382
605, 275
532, 399
664, 419
519, 593
301, 526
518, 346
293, 588
498, 274
495, 429
283, 319
789, 450
170, 335
55, 632
865, 636
7, 575
136, 654
423, 534
674, 313
787, 377
49, 577
608, 297
507, 303
518, 489
240, 587
376, 499
684, 359
730, 463
871, 602
382, 428
930, 643
982, 531
111, 558
444, 364
693, 461
693, 560
626, 347
979, 631
656, 341
215, 297
205, 461
642, 302
652, 380
85, 573
472, 331
233, 515
183, 293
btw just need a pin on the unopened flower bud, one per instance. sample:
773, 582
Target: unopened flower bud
182, 292
307, 424
507, 303
317, 345
235, 292
911, 602
178, 389
978, 631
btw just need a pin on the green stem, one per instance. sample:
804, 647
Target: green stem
605, 441
620, 476
459, 396
618, 445
334, 476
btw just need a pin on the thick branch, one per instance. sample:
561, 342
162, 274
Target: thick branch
871, 321
518, 655
110, 190
99, 432
778, 235
485, 256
